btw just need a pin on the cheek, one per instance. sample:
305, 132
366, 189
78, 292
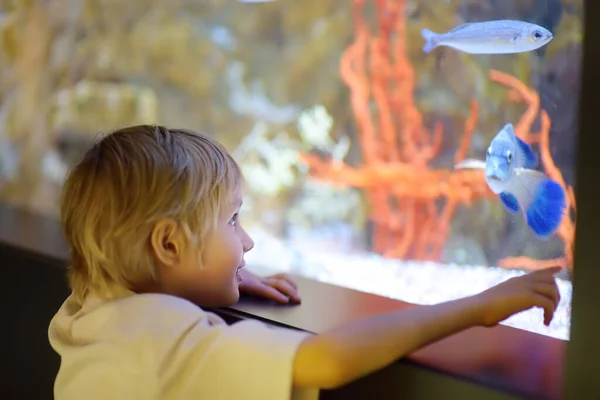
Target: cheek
223, 251
220, 264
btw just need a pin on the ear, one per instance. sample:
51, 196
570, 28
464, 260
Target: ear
167, 242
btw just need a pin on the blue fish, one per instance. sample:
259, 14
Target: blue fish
509, 173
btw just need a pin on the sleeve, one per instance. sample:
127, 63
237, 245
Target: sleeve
247, 360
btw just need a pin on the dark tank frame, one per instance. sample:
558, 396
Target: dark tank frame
495, 363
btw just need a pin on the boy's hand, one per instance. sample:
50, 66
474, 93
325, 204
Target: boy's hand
278, 287
537, 289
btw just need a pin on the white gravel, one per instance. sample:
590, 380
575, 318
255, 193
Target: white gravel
413, 282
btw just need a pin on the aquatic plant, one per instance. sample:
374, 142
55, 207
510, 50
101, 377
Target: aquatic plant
271, 164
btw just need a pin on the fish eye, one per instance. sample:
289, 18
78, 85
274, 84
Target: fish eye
537, 35
509, 156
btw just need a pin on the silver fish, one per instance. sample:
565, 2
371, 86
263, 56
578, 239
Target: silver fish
491, 37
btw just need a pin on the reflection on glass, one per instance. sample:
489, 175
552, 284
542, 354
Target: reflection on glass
346, 118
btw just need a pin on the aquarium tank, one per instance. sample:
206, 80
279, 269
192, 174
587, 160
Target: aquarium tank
421, 150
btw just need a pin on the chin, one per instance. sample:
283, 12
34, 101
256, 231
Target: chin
231, 301
236, 295
232, 298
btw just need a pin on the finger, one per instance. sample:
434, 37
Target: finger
547, 305
272, 293
543, 273
284, 287
550, 290
287, 278
265, 290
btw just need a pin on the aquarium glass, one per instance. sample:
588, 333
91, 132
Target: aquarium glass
347, 117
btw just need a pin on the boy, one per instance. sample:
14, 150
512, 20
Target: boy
152, 218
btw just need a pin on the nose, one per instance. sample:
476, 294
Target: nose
247, 242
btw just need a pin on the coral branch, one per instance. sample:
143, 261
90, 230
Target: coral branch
531, 264
469, 128
401, 188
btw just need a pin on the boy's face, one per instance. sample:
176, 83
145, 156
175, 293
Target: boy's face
212, 279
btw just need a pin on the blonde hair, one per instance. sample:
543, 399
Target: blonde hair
128, 181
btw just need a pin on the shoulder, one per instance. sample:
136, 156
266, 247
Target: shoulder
149, 307
134, 322
156, 319
160, 318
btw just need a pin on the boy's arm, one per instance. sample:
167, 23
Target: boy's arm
344, 354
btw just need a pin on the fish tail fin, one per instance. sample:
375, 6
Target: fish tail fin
546, 211
431, 40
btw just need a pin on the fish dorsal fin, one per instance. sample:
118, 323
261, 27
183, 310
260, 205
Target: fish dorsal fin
461, 27
506, 134
530, 157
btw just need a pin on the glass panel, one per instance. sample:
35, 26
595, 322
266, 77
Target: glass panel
348, 118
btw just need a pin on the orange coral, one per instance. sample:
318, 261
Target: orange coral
402, 189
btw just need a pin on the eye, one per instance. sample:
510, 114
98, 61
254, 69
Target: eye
488, 152
537, 35
233, 220
509, 156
